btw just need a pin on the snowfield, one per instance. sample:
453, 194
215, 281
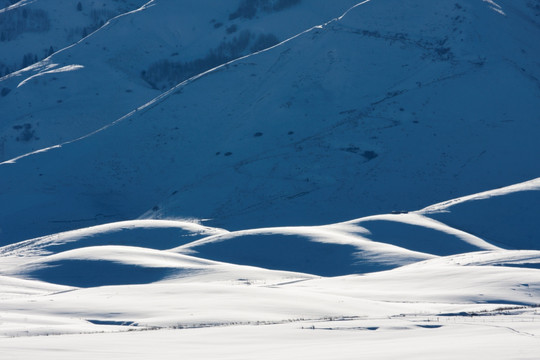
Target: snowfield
296, 179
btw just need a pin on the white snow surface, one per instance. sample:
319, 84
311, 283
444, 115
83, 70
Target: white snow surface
366, 187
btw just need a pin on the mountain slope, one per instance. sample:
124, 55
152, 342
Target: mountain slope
187, 173
130, 59
415, 118
33, 30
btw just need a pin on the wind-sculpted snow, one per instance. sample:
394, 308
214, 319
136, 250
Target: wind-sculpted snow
363, 183
507, 217
419, 233
110, 265
153, 234
320, 251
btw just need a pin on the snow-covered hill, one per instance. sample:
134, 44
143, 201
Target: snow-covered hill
94, 280
360, 176
117, 68
416, 118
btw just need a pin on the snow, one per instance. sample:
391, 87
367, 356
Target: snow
115, 54
465, 338
366, 187
16, 5
530, 185
420, 232
313, 250
54, 71
166, 234
328, 141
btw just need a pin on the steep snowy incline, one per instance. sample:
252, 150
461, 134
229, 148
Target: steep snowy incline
361, 116
131, 59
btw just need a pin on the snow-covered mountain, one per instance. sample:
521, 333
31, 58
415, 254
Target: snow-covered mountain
121, 66
346, 173
264, 142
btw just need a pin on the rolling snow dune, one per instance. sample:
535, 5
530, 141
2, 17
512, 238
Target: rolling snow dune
507, 217
153, 234
180, 181
311, 250
243, 294
445, 278
419, 233
109, 265
118, 265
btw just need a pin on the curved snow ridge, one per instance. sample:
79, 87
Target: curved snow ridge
417, 219
128, 265
136, 224
315, 233
109, 265
318, 250
40, 245
531, 185
128, 255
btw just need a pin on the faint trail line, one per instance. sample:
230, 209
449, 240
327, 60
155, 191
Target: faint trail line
523, 333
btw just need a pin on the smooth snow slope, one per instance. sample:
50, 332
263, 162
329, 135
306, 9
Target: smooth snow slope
214, 220
407, 339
